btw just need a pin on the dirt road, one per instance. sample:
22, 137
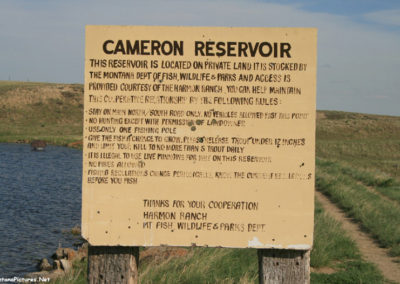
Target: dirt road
368, 247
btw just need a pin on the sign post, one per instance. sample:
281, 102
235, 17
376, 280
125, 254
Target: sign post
283, 266
199, 136
113, 264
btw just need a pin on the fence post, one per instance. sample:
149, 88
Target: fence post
283, 266
113, 264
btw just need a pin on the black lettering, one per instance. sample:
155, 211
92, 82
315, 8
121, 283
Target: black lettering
285, 48
132, 49
242, 49
209, 48
178, 48
253, 50
119, 47
221, 48
166, 48
144, 46
231, 48
107, 51
199, 48
263, 54
155, 47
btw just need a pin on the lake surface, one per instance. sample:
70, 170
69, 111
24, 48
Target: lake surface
40, 201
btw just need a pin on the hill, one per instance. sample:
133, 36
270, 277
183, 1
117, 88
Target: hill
365, 141
50, 112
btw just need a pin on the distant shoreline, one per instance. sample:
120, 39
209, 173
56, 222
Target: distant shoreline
75, 145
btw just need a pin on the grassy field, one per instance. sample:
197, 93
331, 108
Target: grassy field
367, 142
358, 168
50, 112
378, 216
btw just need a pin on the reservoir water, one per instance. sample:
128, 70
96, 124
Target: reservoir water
40, 201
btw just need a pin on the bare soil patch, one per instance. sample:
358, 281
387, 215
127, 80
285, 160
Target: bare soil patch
324, 270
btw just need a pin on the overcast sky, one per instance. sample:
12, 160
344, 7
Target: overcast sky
358, 40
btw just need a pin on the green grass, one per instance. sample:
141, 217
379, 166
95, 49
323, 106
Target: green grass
359, 169
367, 142
50, 112
384, 184
331, 243
380, 217
353, 272
201, 265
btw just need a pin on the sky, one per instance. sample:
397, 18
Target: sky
358, 40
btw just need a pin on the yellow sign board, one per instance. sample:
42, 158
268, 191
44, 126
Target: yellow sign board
199, 136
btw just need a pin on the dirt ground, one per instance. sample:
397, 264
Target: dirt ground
368, 247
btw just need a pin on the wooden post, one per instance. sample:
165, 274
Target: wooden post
113, 264
283, 266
